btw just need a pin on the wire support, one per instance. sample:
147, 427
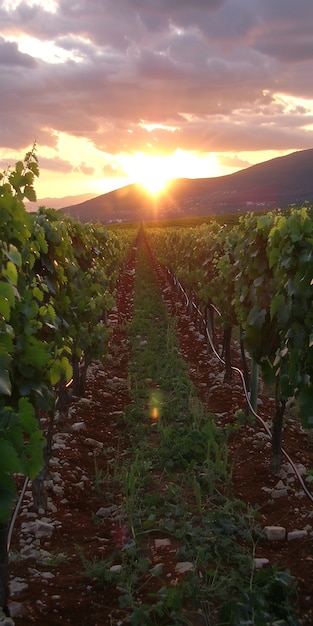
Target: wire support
266, 427
15, 513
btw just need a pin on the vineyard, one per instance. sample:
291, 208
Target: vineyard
156, 401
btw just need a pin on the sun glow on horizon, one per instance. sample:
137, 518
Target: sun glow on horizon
154, 172
154, 183
76, 166
151, 172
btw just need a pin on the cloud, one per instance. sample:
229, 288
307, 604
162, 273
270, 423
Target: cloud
10, 56
85, 169
111, 171
57, 164
233, 162
157, 75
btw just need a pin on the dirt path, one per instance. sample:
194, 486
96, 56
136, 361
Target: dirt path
47, 585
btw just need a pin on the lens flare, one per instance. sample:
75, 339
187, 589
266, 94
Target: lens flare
154, 413
155, 404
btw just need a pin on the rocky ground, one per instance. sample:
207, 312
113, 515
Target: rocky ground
49, 547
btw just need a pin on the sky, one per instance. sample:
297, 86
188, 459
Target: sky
121, 91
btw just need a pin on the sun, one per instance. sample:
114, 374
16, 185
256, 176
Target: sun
151, 172
154, 182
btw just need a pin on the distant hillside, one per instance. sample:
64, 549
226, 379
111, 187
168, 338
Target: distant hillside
275, 183
58, 203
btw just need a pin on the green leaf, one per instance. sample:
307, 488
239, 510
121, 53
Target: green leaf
279, 309
5, 309
9, 461
7, 292
19, 166
36, 353
16, 434
30, 308
10, 272
27, 418
14, 255
34, 458
30, 193
60, 367
37, 293
256, 317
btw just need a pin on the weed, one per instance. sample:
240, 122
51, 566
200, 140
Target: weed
97, 568
48, 559
99, 475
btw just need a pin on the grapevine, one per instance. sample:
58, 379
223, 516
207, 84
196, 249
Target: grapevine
57, 281
259, 275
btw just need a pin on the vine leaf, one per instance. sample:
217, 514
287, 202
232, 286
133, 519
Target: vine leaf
9, 461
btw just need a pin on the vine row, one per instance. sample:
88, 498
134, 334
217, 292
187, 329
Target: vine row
57, 283
259, 275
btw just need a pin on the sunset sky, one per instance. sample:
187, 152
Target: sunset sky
120, 91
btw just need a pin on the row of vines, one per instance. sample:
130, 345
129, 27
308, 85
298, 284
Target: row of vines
57, 281
258, 275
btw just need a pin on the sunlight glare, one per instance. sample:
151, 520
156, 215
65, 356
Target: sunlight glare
155, 403
151, 172
154, 172
155, 413
47, 51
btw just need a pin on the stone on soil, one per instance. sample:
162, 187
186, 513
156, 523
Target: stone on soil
275, 533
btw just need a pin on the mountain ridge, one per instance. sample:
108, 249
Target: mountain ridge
279, 182
58, 203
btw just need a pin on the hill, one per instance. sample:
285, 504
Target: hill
57, 203
279, 182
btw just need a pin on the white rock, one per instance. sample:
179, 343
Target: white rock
47, 575
261, 435
106, 511
162, 543
56, 477
93, 443
260, 562
297, 534
275, 533
106, 395
17, 585
280, 485
279, 493
115, 569
78, 426
287, 467
85, 401
51, 507
183, 566
118, 413
57, 489
301, 469
42, 529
